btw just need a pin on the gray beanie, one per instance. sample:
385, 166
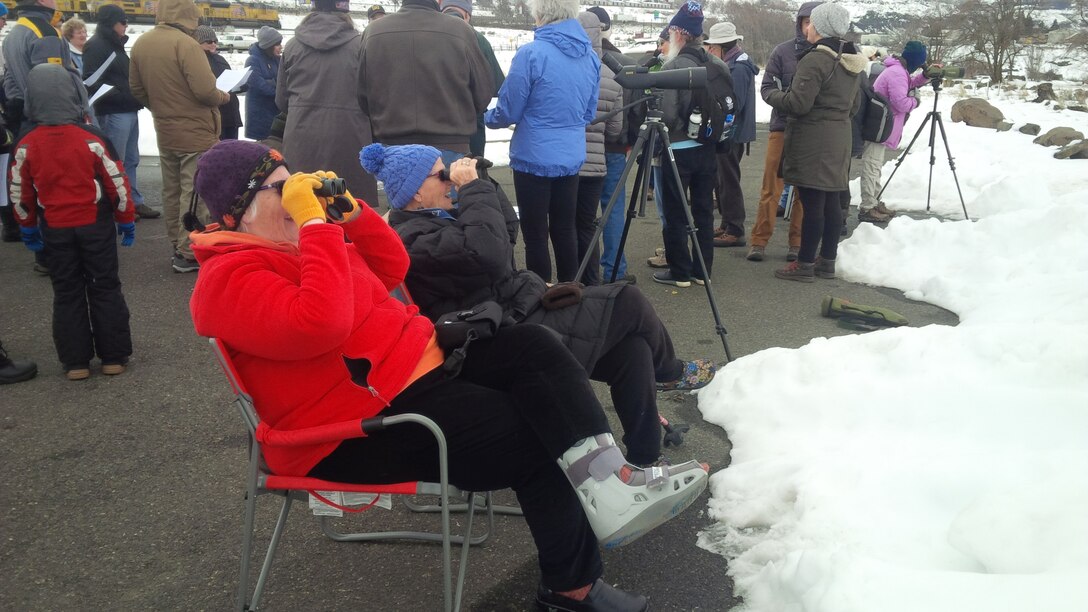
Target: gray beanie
268, 37
831, 20
203, 34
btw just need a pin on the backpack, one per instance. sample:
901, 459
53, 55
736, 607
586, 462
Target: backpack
876, 114
716, 102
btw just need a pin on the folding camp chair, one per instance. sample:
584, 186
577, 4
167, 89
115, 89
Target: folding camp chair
260, 480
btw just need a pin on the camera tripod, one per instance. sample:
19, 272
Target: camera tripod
933, 118
652, 132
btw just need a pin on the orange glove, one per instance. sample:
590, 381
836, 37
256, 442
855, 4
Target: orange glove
299, 200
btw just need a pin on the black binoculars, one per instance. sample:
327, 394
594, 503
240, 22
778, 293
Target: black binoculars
331, 187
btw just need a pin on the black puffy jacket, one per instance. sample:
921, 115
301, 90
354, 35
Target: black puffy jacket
458, 263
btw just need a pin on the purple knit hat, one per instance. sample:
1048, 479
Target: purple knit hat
689, 19
228, 176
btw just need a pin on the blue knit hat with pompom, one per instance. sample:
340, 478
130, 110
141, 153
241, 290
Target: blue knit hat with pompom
401, 169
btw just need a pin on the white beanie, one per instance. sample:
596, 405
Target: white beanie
831, 20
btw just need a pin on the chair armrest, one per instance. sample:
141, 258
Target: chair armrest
332, 432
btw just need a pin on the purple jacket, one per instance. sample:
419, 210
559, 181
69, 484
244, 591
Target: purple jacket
783, 63
894, 83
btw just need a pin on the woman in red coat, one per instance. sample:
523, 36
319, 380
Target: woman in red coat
294, 304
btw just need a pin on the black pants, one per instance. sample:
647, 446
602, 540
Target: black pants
228, 133
520, 401
546, 208
730, 195
698, 174
90, 315
637, 352
585, 224
822, 222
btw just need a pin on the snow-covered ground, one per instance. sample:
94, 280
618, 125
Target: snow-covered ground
936, 468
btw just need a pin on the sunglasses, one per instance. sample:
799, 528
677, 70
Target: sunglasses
443, 174
278, 186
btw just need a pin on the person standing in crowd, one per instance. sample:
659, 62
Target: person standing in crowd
375, 12
264, 65
75, 32
463, 10
66, 172
117, 110
724, 44
816, 159
899, 86
592, 174
549, 96
428, 48
695, 161
317, 90
778, 73
33, 40
615, 157
170, 75
230, 114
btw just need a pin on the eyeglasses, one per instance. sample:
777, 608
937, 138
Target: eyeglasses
278, 186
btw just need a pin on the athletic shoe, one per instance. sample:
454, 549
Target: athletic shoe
40, 269
184, 264
796, 271
602, 597
144, 211
756, 252
112, 369
697, 374
665, 278
791, 255
698, 281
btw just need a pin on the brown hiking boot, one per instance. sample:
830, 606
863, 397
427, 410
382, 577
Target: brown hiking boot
872, 215
658, 260
824, 268
728, 240
756, 252
884, 210
796, 271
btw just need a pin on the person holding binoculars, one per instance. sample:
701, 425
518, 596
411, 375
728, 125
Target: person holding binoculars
295, 305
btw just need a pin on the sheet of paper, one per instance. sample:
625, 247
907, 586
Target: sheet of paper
105, 89
232, 80
494, 102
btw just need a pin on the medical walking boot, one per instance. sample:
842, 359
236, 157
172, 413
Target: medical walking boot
623, 502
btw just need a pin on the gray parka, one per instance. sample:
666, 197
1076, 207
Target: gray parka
818, 108
609, 99
316, 87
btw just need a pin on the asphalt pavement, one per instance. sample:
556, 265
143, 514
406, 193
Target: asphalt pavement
125, 493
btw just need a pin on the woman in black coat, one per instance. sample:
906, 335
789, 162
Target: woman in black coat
463, 255
231, 112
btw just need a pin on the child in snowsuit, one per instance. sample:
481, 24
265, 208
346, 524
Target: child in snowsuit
67, 172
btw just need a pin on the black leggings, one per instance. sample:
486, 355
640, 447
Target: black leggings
546, 208
822, 222
585, 223
520, 401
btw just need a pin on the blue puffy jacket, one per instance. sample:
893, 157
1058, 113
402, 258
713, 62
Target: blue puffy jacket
550, 96
261, 95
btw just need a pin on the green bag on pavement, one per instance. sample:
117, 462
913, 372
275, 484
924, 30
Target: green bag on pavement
860, 316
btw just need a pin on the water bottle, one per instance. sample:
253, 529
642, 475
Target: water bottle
695, 121
727, 133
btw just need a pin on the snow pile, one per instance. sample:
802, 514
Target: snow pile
936, 468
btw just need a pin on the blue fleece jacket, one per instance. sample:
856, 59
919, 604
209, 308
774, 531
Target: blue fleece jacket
550, 96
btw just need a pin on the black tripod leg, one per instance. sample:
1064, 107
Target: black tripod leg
719, 327
902, 157
932, 154
952, 165
639, 146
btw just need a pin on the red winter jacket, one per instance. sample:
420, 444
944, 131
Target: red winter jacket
289, 315
67, 170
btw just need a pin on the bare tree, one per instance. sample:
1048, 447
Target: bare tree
993, 29
763, 25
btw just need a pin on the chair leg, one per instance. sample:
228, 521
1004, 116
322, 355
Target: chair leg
269, 556
247, 551
466, 546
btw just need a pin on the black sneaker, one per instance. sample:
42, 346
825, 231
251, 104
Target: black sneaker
184, 264
665, 278
602, 597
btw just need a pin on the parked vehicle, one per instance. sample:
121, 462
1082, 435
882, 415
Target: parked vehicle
231, 41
